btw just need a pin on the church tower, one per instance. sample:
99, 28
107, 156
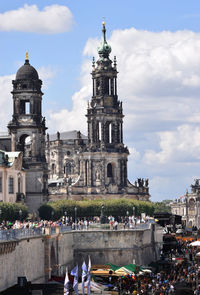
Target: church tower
27, 129
103, 162
105, 116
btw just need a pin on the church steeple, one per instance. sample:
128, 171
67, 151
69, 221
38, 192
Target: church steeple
105, 110
104, 49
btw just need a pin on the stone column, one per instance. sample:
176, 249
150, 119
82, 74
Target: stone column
13, 142
33, 145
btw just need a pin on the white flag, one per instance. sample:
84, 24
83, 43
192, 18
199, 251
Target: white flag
84, 275
88, 277
74, 273
66, 283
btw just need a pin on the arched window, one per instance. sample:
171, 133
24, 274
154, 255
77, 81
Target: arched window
109, 170
19, 184
53, 168
11, 185
110, 133
68, 168
99, 131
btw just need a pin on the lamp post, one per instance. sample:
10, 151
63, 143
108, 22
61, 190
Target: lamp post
133, 211
102, 217
20, 215
52, 214
0, 214
65, 213
75, 215
127, 213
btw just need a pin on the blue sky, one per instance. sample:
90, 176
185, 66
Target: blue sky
157, 44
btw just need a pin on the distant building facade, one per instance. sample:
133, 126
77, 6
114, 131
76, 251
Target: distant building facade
12, 177
188, 206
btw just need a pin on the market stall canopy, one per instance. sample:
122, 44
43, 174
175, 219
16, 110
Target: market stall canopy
195, 244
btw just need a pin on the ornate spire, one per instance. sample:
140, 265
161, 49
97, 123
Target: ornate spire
26, 59
104, 49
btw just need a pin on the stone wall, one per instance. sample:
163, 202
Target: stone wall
38, 258
118, 247
21, 258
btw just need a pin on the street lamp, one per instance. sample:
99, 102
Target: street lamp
52, 214
75, 212
0, 214
20, 215
133, 211
65, 213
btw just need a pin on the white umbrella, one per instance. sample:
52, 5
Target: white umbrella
198, 254
196, 243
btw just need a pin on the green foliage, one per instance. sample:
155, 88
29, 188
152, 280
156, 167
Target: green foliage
162, 207
86, 208
10, 211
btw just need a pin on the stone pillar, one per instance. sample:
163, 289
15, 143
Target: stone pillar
13, 141
33, 145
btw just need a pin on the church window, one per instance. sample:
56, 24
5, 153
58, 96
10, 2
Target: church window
19, 184
107, 82
53, 168
0, 184
110, 133
11, 185
99, 131
27, 108
109, 170
68, 168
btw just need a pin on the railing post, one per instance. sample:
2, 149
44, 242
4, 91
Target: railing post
57, 229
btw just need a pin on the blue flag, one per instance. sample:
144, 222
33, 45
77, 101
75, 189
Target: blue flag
66, 283
74, 273
84, 275
88, 277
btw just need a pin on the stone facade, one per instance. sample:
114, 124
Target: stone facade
27, 130
97, 167
188, 206
12, 177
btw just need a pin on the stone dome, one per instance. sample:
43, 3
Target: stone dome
27, 72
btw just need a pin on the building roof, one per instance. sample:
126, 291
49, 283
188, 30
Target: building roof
8, 158
11, 157
67, 135
27, 72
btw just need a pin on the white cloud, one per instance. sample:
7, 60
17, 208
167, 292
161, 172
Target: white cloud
51, 20
46, 74
5, 101
180, 145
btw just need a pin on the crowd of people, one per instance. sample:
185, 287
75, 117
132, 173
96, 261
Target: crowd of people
178, 272
178, 269
79, 224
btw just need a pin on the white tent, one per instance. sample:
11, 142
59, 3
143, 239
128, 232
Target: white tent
195, 244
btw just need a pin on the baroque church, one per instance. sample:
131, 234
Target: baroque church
70, 164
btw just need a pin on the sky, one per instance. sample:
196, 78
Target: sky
157, 45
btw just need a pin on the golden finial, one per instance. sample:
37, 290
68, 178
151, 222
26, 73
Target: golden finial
26, 55
103, 23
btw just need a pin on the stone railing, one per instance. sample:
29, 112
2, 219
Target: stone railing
15, 234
